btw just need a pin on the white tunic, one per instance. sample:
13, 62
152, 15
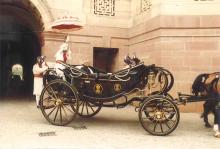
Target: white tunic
60, 57
38, 81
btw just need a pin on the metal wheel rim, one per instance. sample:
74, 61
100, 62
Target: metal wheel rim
56, 106
152, 125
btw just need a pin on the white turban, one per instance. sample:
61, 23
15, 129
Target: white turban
59, 53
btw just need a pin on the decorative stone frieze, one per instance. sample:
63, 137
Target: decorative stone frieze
104, 7
145, 5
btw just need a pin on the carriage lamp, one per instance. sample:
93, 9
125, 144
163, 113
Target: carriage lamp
151, 78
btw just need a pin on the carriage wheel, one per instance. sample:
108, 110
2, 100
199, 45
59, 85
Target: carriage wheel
88, 109
171, 98
56, 102
158, 115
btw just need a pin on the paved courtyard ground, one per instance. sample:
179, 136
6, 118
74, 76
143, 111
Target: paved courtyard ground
23, 126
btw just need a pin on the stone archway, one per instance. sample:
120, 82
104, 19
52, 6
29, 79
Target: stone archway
21, 27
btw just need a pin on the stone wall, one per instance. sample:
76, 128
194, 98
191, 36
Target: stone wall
185, 45
181, 35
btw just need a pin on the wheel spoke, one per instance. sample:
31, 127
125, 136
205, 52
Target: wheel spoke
82, 108
170, 120
161, 127
68, 109
53, 92
148, 111
66, 103
56, 114
81, 103
61, 120
170, 112
91, 108
147, 117
52, 98
49, 99
87, 108
51, 111
48, 107
64, 112
167, 125
155, 125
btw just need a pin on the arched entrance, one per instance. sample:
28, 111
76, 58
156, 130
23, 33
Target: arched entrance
20, 44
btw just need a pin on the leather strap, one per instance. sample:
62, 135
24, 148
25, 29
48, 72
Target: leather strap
38, 75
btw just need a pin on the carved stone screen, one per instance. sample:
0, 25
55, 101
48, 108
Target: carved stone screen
145, 5
104, 7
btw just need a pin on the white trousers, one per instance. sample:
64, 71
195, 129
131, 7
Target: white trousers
37, 100
38, 87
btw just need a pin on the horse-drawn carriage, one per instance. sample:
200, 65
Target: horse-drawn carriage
85, 90
84, 94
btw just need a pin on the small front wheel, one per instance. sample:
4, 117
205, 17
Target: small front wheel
158, 115
56, 102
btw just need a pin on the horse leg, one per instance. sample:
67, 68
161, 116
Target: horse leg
214, 111
217, 116
205, 114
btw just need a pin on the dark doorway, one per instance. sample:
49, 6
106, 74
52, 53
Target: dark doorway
105, 58
19, 47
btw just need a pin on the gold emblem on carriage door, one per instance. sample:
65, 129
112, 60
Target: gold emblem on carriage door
98, 88
117, 87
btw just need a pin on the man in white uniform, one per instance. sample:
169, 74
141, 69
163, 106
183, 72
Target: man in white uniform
62, 55
38, 69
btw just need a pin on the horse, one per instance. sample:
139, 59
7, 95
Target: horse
208, 85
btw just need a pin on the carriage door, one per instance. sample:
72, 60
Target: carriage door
105, 59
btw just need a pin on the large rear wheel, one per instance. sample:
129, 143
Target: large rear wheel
57, 101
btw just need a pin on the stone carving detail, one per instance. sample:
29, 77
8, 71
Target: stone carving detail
145, 5
104, 7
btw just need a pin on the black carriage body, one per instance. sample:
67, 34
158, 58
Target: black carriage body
108, 87
83, 93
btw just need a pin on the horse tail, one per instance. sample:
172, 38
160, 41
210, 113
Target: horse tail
199, 83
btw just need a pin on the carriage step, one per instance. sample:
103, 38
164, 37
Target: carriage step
119, 107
